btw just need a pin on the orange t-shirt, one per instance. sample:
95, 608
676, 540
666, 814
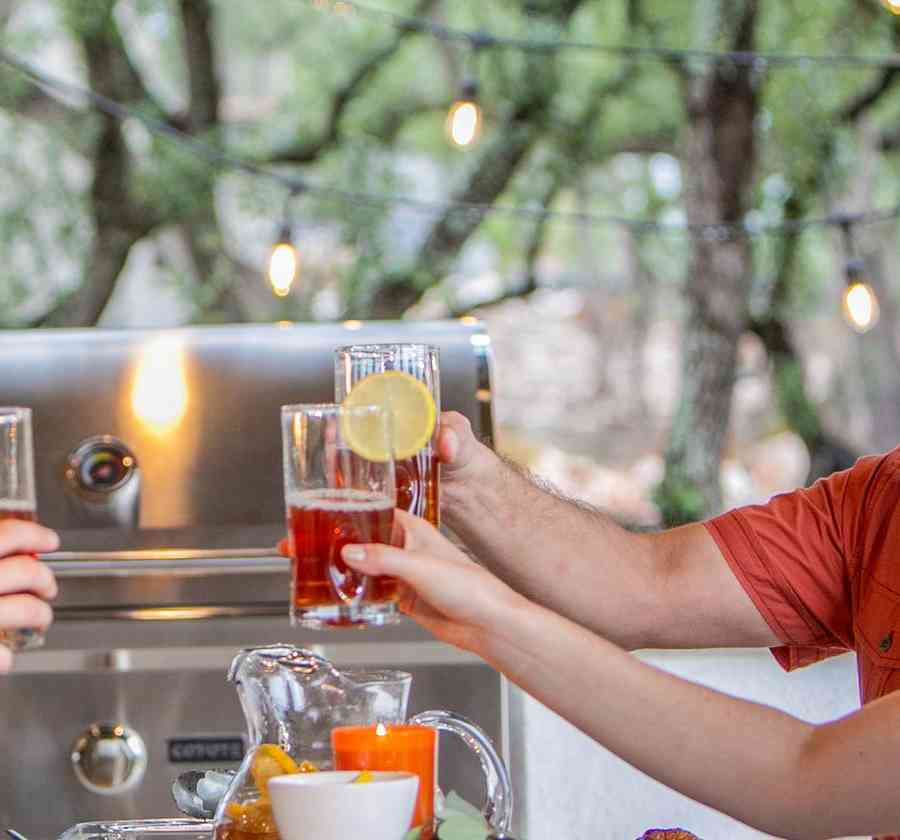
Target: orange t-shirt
822, 565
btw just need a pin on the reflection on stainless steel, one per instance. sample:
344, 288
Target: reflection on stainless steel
159, 393
109, 758
158, 593
175, 829
189, 800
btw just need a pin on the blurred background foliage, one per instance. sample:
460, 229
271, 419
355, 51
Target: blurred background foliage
105, 223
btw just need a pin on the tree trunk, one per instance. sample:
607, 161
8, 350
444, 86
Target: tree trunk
119, 221
200, 230
721, 152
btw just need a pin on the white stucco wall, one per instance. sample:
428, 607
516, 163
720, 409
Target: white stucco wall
569, 787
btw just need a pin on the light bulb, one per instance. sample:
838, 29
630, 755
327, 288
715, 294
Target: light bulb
464, 117
893, 6
464, 122
860, 306
283, 267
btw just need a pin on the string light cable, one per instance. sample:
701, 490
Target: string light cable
216, 157
491, 40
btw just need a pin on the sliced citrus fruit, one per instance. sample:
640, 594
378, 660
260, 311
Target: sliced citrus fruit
270, 761
273, 751
362, 778
413, 416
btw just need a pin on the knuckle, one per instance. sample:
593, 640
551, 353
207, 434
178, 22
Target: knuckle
50, 584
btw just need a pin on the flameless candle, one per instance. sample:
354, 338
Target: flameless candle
400, 747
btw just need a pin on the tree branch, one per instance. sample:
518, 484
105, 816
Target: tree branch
199, 51
890, 141
870, 96
498, 163
310, 150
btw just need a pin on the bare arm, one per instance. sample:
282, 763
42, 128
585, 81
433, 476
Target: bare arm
672, 589
761, 766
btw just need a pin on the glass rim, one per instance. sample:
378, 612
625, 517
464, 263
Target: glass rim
376, 676
381, 348
331, 408
17, 412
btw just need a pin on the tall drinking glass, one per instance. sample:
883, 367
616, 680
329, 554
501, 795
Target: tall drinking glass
418, 477
17, 496
335, 496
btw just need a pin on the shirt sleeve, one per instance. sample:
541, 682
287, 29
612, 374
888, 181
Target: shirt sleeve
795, 557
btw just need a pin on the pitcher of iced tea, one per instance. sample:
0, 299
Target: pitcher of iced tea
294, 700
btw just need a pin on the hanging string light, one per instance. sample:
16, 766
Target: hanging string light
465, 118
859, 301
284, 260
893, 6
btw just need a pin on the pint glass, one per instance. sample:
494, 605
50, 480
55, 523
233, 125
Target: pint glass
335, 496
418, 481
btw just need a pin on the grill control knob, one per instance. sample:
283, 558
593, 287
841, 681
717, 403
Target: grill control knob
109, 758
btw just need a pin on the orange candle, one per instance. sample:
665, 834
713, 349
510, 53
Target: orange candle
412, 749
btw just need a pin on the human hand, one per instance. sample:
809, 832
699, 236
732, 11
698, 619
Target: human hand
466, 465
26, 584
443, 590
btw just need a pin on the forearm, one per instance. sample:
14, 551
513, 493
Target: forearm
750, 761
573, 560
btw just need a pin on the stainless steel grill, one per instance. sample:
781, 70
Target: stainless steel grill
158, 460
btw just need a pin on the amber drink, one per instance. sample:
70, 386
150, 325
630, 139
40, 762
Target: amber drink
14, 509
335, 496
320, 524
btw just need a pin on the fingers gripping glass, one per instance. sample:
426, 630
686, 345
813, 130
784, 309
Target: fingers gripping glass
17, 498
335, 496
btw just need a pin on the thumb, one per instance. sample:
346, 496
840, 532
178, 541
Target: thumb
456, 443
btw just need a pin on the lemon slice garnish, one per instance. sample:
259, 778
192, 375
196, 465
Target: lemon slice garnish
269, 761
280, 757
362, 778
413, 416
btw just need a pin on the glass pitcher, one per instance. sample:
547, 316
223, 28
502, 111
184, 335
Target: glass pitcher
293, 698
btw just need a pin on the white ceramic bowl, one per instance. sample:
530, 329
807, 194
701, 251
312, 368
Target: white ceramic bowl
327, 806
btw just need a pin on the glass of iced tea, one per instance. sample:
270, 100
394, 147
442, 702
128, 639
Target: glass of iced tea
418, 480
17, 496
339, 489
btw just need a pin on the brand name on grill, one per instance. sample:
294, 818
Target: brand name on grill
190, 750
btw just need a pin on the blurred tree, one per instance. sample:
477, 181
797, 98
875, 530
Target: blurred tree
356, 102
722, 105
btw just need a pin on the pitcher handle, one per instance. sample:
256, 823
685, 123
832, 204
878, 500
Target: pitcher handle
498, 803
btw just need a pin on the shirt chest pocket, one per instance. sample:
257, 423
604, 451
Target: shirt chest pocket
877, 631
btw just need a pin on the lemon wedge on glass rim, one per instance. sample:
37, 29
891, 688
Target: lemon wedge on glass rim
412, 411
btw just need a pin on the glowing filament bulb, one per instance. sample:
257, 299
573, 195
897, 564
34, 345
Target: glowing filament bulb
283, 268
860, 306
464, 119
159, 394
